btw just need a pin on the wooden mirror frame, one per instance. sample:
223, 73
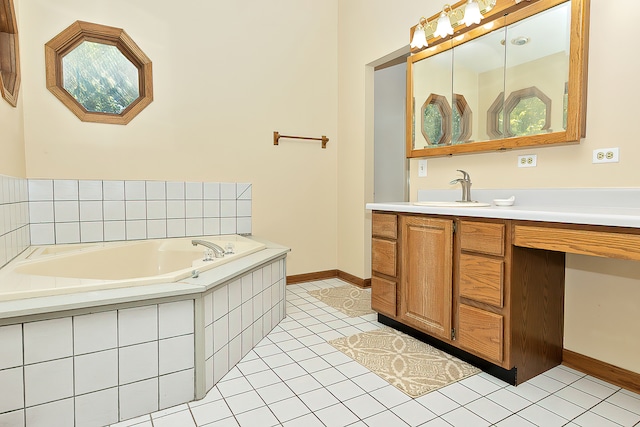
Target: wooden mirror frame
505, 13
72, 37
9, 53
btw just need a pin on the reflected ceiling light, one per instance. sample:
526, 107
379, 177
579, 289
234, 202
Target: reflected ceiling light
472, 13
419, 37
444, 27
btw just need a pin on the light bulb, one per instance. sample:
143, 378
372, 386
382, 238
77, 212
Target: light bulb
472, 13
444, 27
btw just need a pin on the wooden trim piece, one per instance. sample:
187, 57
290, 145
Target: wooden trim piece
328, 274
602, 370
9, 53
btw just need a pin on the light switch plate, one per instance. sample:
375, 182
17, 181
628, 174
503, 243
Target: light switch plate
422, 168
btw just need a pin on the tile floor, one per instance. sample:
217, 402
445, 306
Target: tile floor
294, 378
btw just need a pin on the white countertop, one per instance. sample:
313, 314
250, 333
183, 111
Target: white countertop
611, 207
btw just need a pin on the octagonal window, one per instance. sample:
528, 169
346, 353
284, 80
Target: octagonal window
436, 120
461, 115
99, 73
100, 78
528, 117
9, 53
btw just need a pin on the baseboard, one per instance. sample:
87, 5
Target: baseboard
328, 274
602, 370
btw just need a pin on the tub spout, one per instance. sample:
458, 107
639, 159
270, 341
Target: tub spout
217, 250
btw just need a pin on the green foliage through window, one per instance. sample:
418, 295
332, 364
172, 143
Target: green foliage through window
100, 77
528, 117
432, 123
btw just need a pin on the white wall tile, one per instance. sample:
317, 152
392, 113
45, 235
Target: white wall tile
113, 190
257, 282
96, 371
235, 350
12, 389
40, 189
156, 209
220, 333
247, 287
134, 190
156, 228
176, 227
228, 191
175, 354
220, 301
136, 209
95, 332
243, 207
114, 230
220, 363
47, 340
247, 341
176, 388
243, 191
212, 190
92, 231
235, 322
138, 398
138, 362
136, 230
243, 225
227, 226
257, 331
208, 374
266, 277
208, 341
137, 325
194, 209
11, 348
176, 209
66, 210
211, 208
194, 190
91, 210
48, 381
89, 190
156, 190
247, 314
16, 418
175, 318
65, 189
97, 409
211, 226
235, 294
175, 191
207, 300
54, 414
228, 208
114, 210
41, 212
42, 234
67, 232
194, 226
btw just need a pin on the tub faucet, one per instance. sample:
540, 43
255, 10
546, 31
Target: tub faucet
217, 250
465, 181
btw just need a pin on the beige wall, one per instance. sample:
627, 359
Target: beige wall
372, 29
254, 67
12, 161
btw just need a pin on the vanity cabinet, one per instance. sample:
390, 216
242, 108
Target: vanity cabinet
460, 282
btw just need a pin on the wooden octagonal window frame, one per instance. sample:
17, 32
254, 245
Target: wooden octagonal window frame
72, 37
466, 118
9, 53
440, 102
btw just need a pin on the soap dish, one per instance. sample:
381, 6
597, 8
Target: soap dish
504, 202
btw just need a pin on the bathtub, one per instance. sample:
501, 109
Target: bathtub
64, 269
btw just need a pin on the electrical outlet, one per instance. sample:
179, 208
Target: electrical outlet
528, 161
422, 168
606, 155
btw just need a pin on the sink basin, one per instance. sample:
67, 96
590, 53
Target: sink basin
453, 204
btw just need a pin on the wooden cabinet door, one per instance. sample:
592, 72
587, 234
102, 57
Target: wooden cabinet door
426, 284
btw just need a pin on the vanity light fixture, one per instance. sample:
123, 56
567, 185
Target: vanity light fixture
419, 39
444, 28
472, 13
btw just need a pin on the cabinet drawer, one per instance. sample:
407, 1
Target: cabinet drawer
384, 225
482, 237
383, 256
481, 279
481, 332
383, 296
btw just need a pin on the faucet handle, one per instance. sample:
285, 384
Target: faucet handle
465, 175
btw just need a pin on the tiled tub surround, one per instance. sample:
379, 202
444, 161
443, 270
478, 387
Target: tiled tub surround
14, 217
99, 365
73, 211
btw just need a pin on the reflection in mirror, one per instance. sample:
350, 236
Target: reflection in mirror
537, 67
100, 77
432, 91
9, 53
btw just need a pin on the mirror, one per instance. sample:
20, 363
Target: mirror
507, 83
9, 53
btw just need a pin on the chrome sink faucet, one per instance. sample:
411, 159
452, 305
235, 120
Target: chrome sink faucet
217, 250
465, 181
